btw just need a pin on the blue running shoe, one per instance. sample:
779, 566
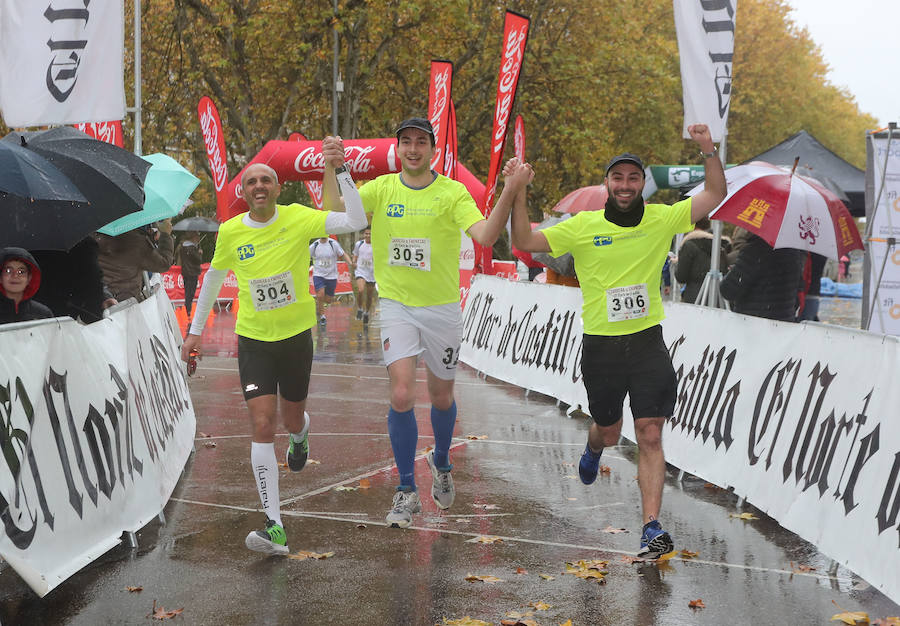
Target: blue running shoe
655, 542
589, 465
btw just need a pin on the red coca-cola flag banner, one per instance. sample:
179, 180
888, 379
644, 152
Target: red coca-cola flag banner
314, 187
515, 35
439, 93
519, 139
214, 140
110, 132
450, 157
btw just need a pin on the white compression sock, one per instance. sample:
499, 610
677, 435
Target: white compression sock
265, 470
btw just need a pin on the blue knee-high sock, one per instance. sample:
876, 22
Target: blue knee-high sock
442, 423
404, 435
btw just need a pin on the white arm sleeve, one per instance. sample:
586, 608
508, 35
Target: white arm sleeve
354, 218
212, 283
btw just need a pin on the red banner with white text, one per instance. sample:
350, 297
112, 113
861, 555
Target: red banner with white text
314, 187
110, 132
439, 93
214, 140
519, 138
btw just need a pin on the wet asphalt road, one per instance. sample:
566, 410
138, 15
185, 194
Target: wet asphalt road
517, 482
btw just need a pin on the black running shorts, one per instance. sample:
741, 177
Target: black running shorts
267, 367
638, 365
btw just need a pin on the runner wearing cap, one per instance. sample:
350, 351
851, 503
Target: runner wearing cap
619, 253
417, 215
267, 248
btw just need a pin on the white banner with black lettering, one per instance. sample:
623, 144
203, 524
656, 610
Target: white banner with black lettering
61, 62
705, 33
800, 419
882, 288
96, 424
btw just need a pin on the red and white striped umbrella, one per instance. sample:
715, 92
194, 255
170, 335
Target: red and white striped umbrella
787, 210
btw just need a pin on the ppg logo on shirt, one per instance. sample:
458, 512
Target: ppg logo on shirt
602, 240
395, 210
246, 251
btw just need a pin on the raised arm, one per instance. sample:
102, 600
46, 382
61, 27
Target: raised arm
714, 188
337, 221
523, 237
486, 231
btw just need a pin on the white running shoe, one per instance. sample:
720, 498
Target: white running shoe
442, 490
405, 503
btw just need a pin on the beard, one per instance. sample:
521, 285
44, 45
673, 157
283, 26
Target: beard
631, 215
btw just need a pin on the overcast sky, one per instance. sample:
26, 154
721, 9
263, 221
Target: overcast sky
860, 41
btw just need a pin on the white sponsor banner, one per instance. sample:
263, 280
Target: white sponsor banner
800, 419
884, 167
705, 33
97, 424
61, 61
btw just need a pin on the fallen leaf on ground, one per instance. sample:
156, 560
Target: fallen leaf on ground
594, 569
485, 579
486, 539
801, 569
713, 487
162, 613
746, 516
687, 554
632, 559
313, 462
540, 606
515, 615
521, 570
697, 604
518, 622
486, 507
546, 576
614, 531
365, 483
605, 469
345, 488
665, 557
568, 622
209, 444
465, 621
850, 617
887, 621
571, 499
302, 555
133, 589
476, 437
200, 433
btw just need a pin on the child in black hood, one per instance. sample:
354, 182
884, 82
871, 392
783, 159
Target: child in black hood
20, 278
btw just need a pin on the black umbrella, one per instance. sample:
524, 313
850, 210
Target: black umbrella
203, 224
109, 181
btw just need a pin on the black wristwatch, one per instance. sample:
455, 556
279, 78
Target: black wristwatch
340, 170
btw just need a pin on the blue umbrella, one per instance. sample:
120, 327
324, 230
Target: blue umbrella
166, 190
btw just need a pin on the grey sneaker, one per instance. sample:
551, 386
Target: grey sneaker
442, 490
404, 505
298, 451
272, 540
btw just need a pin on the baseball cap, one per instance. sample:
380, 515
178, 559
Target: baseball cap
417, 122
625, 157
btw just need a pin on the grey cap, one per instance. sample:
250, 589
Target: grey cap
417, 122
625, 157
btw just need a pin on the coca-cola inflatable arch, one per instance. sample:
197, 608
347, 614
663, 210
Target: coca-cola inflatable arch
301, 160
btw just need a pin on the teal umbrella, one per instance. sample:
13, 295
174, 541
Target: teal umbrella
166, 190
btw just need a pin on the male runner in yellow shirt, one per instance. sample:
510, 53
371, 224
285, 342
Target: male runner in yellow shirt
267, 248
619, 253
417, 216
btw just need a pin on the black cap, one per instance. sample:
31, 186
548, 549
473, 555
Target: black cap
417, 122
625, 157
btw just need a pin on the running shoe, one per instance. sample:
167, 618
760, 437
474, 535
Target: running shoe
442, 490
655, 542
406, 502
359, 313
588, 466
298, 451
272, 540
365, 318
322, 321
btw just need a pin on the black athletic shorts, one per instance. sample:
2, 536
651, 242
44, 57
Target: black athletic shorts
638, 365
267, 367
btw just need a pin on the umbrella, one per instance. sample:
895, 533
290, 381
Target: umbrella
112, 179
167, 188
592, 198
786, 210
40, 207
203, 224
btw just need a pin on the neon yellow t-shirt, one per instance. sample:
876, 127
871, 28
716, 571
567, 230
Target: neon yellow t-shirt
415, 237
271, 264
620, 268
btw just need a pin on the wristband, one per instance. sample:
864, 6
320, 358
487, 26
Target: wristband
340, 170
709, 155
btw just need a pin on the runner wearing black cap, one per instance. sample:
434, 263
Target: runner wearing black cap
417, 216
619, 253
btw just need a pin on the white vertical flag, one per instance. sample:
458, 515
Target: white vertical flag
705, 31
61, 61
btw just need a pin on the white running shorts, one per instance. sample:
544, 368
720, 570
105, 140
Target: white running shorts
435, 331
